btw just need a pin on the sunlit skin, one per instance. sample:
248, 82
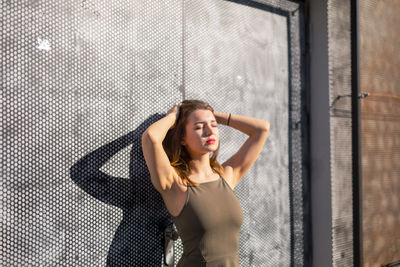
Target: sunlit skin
201, 126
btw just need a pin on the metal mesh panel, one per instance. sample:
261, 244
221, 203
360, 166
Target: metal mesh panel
243, 53
380, 131
340, 130
77, 76
81, 81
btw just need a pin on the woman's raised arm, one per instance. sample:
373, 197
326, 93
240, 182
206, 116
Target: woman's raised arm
245, 157
162, 173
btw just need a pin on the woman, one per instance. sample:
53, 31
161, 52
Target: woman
197, 190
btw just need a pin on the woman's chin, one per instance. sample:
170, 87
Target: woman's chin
212, 148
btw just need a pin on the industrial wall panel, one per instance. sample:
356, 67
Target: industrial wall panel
76, 76
339, 40
380, 131
82, 80
245, 57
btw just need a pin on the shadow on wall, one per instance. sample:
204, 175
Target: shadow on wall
138, 240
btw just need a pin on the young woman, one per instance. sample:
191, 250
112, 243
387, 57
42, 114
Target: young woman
197, 190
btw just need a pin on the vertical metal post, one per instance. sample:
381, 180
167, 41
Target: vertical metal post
356, 134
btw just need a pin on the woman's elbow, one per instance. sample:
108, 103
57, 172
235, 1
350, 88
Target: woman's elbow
266, 126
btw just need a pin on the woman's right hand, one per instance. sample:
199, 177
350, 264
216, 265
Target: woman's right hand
175, 110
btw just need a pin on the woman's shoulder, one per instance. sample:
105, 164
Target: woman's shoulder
228, 175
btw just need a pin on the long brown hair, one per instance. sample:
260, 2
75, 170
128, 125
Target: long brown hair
177, 153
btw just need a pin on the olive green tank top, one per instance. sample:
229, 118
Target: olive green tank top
209, 225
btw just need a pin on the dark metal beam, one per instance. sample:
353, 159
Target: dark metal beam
356, 137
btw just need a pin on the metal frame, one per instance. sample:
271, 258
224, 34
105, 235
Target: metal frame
356, 140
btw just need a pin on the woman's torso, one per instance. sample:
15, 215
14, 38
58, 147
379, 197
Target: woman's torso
209, 225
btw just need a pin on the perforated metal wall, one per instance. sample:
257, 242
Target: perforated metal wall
339, 39
82, 80
82, 77
248, 54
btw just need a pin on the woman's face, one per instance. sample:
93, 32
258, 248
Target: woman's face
201, 126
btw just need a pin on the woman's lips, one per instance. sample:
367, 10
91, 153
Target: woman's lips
211, 141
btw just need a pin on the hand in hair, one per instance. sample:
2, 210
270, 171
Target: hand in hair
174, 110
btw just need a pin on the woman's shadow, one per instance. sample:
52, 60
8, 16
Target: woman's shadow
139, 239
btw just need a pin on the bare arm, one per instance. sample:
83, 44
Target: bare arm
245, 124
162, 173
245, 157
158, 130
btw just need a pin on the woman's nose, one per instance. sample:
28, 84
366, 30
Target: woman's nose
209, 130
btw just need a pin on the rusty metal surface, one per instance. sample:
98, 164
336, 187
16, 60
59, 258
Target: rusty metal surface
380, 130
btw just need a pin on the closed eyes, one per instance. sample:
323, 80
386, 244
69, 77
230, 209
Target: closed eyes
201, 127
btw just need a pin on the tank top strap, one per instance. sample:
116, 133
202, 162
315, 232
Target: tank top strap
220, 178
